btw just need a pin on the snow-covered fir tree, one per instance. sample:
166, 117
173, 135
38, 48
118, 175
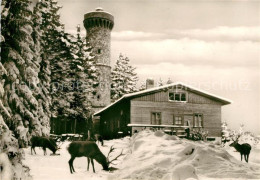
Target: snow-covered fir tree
160, 82
56, 54
83, 77
60, 76
22, 65
123, 78
241, 129
169, 81
225, 133
142, 86
43, 97
10, 154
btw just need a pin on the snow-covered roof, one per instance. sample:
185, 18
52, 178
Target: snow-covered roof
224, 101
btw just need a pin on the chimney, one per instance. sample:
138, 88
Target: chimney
149, 83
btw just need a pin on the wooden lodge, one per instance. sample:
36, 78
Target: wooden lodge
172, 107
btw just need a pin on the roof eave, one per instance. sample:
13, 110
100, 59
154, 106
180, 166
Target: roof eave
153, 90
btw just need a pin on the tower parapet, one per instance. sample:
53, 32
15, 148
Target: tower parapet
99, 18
99, 25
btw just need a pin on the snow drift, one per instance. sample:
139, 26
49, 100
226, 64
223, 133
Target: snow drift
152, 156
156, 155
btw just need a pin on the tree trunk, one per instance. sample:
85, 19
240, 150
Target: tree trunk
75, 126
89, 135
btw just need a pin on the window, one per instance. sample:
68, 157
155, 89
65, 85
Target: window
99, 51
177, 96
198, 120
183, 97
98, 97
156, 118
177, 120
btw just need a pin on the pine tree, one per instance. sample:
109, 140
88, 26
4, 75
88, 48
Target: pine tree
43, 97
79, 103
160, 82
55, 56
22, 66
9, 145
123, 77
169, 81
142, 86
84, 78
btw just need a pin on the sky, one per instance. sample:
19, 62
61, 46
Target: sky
210, 44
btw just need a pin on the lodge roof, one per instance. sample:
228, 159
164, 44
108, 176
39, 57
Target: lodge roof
180, 85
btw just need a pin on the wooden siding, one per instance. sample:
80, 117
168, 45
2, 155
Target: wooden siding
163, 96
141, 113
114, 120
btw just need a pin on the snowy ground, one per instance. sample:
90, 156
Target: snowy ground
151, 156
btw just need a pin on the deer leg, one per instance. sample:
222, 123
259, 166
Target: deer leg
44, 151
88, 163
71, 164
241, 157
92, 162
31, 150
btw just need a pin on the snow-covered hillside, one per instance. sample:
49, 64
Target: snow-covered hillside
150, 156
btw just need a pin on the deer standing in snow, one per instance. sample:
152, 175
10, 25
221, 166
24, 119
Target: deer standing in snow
90, 150
43, 142
244, 149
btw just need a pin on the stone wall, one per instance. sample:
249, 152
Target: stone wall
99, 39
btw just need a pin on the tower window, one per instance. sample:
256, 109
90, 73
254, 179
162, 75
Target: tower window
98, 97
99, 51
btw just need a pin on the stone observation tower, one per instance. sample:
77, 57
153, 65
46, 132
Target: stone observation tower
99, 25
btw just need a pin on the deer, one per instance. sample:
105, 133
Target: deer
90, 150
244, 149
43, 142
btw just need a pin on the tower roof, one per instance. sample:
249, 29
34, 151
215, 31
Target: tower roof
99, 13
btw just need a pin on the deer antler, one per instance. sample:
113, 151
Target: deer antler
238, 136
121, 154
235, 137
110, 151
59, 145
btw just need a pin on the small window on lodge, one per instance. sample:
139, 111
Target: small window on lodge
198, 120
177, 120
99, 51
156, 118
177, 96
